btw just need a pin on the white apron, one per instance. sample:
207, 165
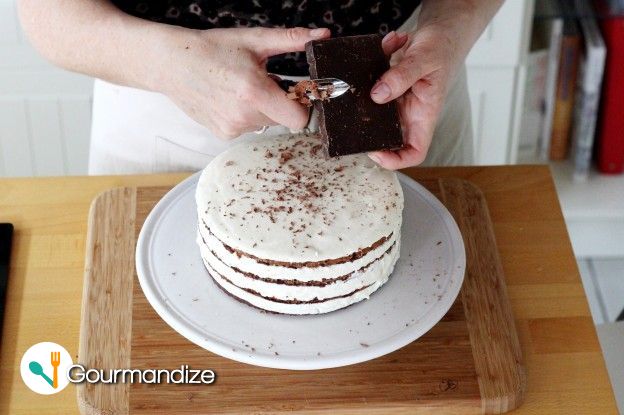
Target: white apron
137, 131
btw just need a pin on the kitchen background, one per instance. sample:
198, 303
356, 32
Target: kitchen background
516, 76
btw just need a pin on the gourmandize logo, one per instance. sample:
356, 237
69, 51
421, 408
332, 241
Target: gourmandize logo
44, 368
55, 360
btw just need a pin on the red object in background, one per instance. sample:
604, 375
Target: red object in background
610, 151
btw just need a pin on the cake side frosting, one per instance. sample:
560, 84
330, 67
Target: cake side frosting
292, 289
307, 307
251, 265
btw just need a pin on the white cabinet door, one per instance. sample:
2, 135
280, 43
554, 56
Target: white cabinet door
504, 42
492, 100
496, 82
45, 112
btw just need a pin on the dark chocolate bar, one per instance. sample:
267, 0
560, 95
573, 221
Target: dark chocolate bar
353, 122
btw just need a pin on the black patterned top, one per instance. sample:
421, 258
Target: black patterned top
342, 17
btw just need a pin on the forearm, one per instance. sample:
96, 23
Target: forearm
462, 21
95, 38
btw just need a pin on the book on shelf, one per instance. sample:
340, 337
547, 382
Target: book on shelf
566, 84
593, 53
610, 141
550, 28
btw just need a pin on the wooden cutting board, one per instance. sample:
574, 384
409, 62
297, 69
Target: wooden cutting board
468, 363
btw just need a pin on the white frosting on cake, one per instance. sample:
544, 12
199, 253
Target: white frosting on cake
336, 206
284, 229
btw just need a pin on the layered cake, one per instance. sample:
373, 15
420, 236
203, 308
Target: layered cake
285, 229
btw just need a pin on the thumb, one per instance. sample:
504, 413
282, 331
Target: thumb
397, 80
274, 41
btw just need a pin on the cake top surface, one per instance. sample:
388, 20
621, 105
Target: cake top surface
281, 199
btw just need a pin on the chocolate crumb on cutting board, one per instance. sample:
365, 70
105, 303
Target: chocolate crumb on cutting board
353, 122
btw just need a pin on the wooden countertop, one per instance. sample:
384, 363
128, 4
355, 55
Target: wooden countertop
566, 370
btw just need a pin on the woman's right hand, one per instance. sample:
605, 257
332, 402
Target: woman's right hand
218, 77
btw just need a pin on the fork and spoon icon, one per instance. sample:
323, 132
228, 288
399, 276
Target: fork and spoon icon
55, 361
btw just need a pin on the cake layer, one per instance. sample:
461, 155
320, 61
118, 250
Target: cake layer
305, 274
308, 264
280, 199
299, 308
286, 290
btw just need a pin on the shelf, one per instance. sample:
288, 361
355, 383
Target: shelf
598, 16
603, 281
599, 196
593, 211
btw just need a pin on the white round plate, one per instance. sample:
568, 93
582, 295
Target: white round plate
423, 286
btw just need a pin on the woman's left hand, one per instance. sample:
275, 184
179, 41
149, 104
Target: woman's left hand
424, 67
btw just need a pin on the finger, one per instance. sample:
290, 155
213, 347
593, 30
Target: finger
419, 115
392, 42
271, 101
406, 157
224, 131
398, 54
397, 80
418, 120
256, 121
245, 119
274, 41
